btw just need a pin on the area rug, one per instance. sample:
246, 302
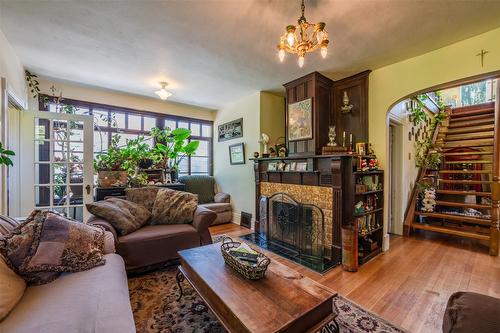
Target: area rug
154, 303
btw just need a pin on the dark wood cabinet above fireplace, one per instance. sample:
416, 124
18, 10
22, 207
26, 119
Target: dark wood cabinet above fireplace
327, 101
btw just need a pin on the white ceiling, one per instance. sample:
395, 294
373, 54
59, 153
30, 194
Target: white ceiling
214, 52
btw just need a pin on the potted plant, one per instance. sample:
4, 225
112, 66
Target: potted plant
5, 156
172, 148
110, 166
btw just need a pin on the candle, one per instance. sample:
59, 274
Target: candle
343, 139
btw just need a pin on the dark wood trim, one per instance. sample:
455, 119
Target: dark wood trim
495, 184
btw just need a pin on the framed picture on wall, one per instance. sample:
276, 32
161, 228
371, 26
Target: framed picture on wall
299, 120
237, 154
230, 130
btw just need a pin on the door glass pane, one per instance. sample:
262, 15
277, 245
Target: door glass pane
149, 123
76, 131
60, 152
76, 213
42, 151
42, 173
206, 130
183, 124
61, 211
76, 195
59, 173
134, 122
170, 124
76, 173
195, 129
76, 152
59, 197
42, 196
42, 129
59, 130
183, 166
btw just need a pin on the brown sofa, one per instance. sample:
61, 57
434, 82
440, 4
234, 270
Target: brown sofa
96, 300
205, 187
154, 244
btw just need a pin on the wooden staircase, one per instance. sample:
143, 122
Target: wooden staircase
467, 183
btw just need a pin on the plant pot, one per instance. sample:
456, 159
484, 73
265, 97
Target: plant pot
108, 178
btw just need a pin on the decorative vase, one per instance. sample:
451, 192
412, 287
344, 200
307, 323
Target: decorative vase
109, 178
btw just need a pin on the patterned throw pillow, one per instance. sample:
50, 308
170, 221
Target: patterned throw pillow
125, 216
174, 207
47, 244
144, 196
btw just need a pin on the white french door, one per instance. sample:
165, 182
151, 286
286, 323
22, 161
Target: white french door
56, 163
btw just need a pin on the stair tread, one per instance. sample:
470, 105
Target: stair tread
473, 136
482, 194
471, 129
456, 217
469, 162
469, 153
461, 204
466, 171
479, 119
451, 231
463, 181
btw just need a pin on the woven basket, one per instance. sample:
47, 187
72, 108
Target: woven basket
249, 272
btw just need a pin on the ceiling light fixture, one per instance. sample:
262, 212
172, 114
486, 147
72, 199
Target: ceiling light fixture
163, 93
300, 43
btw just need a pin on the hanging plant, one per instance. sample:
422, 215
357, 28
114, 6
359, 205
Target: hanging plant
33, 84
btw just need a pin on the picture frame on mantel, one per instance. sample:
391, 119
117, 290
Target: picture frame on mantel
237, 154
230, 130
300, 120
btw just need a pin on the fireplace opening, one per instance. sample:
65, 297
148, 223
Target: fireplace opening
294, 230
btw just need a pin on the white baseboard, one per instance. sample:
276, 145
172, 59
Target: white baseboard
237, 218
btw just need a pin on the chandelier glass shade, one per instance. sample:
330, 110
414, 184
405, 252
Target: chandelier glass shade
303, 38
163, 93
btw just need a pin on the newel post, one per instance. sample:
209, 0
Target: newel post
495, 185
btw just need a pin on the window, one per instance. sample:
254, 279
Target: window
201, 162
130, 123
470, 94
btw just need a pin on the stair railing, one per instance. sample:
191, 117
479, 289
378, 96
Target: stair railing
441, 127
495, 183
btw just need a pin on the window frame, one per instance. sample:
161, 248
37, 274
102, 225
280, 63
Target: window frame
44, 101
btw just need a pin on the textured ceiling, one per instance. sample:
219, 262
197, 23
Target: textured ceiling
214, 52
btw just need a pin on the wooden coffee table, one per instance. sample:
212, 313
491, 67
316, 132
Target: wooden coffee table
283, 301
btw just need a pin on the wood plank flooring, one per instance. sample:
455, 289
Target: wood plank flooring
410, 284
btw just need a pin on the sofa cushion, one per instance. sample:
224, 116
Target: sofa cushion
7, 224
174, 207
93, 301
12, 289
218, 207
58, 244
153, 244
144, 196
126, 216
471, 312
202, 185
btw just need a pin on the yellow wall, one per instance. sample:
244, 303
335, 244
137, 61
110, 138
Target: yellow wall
115, 98
12, 69
262, 112
391, 83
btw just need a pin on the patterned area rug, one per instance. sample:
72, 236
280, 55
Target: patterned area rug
153, 298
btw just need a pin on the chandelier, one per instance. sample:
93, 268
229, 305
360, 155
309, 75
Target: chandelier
163, 93
296, 39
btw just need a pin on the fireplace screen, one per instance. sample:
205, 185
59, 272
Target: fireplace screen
295, 226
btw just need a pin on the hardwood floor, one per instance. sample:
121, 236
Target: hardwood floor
410, 284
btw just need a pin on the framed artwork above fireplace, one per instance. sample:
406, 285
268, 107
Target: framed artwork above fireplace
299, 121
